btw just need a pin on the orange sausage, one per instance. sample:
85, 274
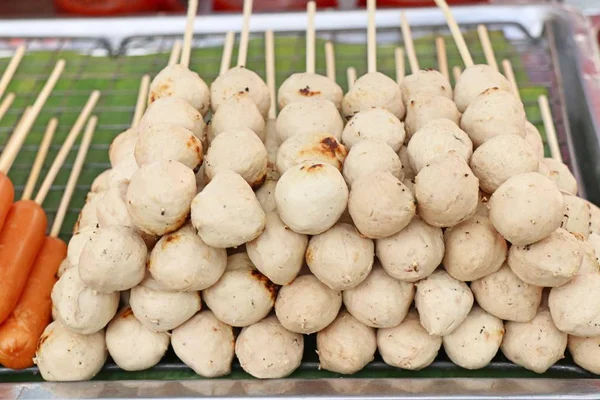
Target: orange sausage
20, 241
7, 196
20, 333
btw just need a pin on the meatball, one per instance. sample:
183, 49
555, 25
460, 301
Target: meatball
425, 82
534, 138
423, 108
560, 174
371, 155
575, 306
585, 352
374, 123
175, 111
164, 141
476, 80
240, 81
311, 146
247, 116
180, 82
122, 145
314, 115
373, 90
305, 86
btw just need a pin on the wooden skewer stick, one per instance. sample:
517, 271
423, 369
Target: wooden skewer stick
371, 38
6, 103
409, 44
245, 36
510, 75
311, 9
188, 35
486, 43
227, 52
140, 104
18, 137
456, 72
66, 147
549, 128
11, 68
270, 71
442, 56
399, 61
175, 53
39, 159
330, 60
73, 177
351, 75
456, 33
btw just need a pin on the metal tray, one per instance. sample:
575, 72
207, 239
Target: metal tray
554, 51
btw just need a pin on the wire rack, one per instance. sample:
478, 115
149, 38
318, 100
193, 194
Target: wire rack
91, 64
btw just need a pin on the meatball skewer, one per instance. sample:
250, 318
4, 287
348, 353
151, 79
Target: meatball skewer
442, 57
399, 64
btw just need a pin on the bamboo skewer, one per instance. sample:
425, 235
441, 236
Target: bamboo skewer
18, 137
510, 75
175, 53
351, 75
409, 44
442, 57
270, 71
330, 61
549, 128
188, 35
311, 9
6, 103
66, 147
73, 177
371, 38
11, 68
399, 62
227, 53
244, 37
38, 163
488, 50
456, 72
456, 33
140, 104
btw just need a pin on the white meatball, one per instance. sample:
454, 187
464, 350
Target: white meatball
379, 301
159, 196
165, 141
305, 86
425, 82
408, 345
240, 151
77, 243
476, 341
88, 216
176, 111
123, 171
507, 297
551, 262
535, 345
585, 352
575, 306
85, 357
80, 308
278, 252
474, 249
160, 310
346, 346
526, 208
594, 218
179, 81
374, 123
534, 138
373, 90
409, 172
314, 115
311, 146
267, 350
272, 145
240, 81
380, 205
577, 217
266, 196
112, 208
443, 303
493, 113
446, 190
65, 265
500, 158
181, 261
435, 139
100, 183
424, 108
561, 175
306, 305
226, 213
371, 155
340, 257
413, 253
205, 344
132, 346
476, 80
122, 145
237, 113
311, 197
114, 260
243, 296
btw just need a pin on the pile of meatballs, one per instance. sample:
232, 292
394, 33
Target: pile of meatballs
394, 218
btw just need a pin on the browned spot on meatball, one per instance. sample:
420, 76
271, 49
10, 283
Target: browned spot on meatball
490, 90
270, 286
259, 182
173, 238
309, 256
315, 167
163, 90
42, 340
309, 93
128, 312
